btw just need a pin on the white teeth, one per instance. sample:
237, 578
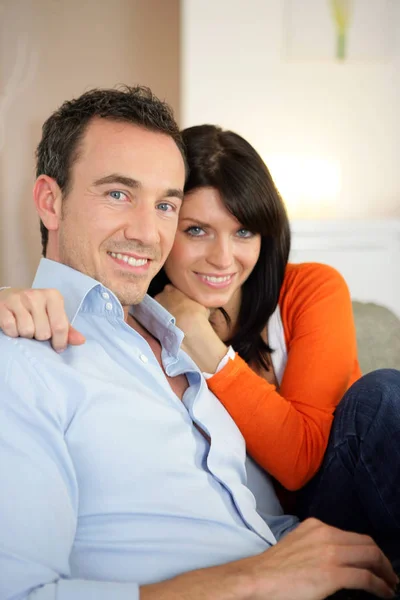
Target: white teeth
137, 262
217, 279
134, 262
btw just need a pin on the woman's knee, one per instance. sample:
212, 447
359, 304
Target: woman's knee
388, 380
376, 395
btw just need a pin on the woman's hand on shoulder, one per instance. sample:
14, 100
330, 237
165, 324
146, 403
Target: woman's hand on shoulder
38, 314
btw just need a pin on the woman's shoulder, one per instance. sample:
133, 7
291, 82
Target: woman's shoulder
304, 281
309, 274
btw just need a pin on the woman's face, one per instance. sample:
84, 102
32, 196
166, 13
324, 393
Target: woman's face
213, 254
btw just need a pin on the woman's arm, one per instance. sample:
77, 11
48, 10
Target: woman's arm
287, 432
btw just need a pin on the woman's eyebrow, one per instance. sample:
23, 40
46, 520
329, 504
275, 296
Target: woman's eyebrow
193, 220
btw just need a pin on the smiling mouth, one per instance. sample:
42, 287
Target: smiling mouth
129, 260
216, 280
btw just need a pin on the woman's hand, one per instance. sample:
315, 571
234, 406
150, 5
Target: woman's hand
38, 314
185, 310
201, 342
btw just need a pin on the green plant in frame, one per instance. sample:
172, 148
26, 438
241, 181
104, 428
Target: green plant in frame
341, 14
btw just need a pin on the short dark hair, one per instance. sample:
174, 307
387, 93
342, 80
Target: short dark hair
225, 161
64, 130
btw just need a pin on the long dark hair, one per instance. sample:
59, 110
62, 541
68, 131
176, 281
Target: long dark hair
227, 162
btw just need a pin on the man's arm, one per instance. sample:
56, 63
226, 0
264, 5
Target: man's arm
38, 516
39, 491
310, 563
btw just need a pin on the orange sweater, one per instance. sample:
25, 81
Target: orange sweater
287, 432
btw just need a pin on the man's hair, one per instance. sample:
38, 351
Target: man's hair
225, 161
63, 132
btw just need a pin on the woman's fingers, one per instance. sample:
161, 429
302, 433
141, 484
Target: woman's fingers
38, 314
35, 306
7, 322
15, 309
58, 321
75, 338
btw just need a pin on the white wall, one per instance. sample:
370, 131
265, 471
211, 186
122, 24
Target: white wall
329, 132
366, 252
51, 51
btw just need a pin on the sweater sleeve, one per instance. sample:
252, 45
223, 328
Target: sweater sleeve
287, 432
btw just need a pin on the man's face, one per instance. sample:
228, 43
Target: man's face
119, 219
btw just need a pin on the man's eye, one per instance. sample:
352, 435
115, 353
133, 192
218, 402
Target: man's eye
165, 207
117, 195
195, 231
245, 233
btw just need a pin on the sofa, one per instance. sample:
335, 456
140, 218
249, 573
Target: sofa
378, 336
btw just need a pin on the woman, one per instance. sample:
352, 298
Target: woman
293, 331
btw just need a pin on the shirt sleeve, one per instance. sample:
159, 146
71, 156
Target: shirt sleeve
287, 432
39, 491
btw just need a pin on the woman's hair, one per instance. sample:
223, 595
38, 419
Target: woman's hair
225, 161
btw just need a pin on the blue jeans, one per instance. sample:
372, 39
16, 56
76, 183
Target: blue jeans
358, 485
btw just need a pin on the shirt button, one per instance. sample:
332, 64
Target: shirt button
109, 306
105, 295
143, 358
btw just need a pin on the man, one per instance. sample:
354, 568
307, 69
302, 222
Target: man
121, 474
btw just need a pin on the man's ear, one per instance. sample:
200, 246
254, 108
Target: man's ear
48, 197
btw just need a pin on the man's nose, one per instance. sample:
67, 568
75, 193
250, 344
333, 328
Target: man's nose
143, 226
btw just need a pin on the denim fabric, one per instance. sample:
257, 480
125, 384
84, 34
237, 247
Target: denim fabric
358, 485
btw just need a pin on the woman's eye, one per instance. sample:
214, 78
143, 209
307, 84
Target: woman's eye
245, 233
195, 231
117, 195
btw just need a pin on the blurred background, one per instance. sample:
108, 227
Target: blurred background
314, 85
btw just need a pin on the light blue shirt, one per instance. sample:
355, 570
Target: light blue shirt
106, 484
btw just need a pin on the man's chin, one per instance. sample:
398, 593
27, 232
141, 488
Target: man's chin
126, 293
131, 298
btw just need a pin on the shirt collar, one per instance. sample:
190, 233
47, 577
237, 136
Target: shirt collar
78, 288
156, 319
73, 285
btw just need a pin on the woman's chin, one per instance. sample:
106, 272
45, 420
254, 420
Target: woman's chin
211, 301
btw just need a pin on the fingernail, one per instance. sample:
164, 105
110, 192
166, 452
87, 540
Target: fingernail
60, 350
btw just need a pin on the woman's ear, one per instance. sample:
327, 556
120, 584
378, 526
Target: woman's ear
48, 197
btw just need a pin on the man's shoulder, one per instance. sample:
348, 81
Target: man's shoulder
23, 350
34, 380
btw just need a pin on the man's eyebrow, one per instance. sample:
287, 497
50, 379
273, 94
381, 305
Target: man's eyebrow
174, 193
134, 184
118, 178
